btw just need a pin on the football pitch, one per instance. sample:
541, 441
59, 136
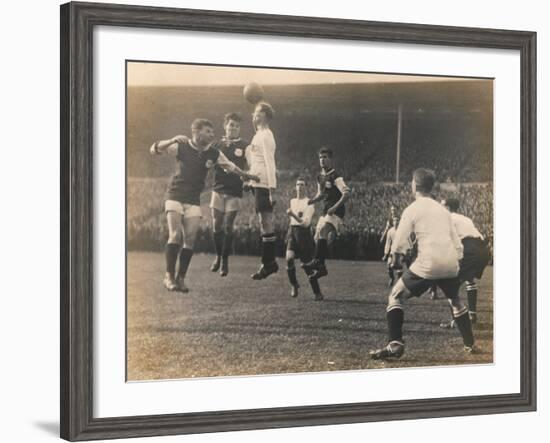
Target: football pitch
235, 326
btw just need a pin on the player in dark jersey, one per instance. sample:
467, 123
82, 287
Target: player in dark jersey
334, 193
476, 257
182, 206
227, 192
299, 241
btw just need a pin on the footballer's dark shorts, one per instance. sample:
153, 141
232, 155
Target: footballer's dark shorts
417, 285
300, 240
475, 259
262, 197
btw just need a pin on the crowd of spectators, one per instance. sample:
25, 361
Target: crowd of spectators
361, 238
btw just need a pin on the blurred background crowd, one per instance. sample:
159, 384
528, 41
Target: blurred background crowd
445, 126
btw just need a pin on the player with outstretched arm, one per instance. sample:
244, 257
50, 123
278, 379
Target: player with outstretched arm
194, 157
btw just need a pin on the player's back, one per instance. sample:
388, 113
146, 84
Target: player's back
437, 242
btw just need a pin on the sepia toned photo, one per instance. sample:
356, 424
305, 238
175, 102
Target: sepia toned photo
295, 221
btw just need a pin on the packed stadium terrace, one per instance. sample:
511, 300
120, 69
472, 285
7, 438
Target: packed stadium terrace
366, 216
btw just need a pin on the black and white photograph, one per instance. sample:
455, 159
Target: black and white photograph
283, 221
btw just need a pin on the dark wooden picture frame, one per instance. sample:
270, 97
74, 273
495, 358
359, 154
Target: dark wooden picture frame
77, 23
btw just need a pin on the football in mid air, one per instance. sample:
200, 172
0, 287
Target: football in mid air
253, 92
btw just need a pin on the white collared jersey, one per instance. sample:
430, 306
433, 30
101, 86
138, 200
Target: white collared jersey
465, 226
260, 156
439, 247
302, 210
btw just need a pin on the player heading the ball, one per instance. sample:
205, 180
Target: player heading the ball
260, 156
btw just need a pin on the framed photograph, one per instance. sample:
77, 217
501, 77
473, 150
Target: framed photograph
274, 221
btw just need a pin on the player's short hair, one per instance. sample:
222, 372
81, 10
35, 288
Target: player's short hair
301, 179
200, 123
452, 204
236, 117
424, 180
267, 109
326, 150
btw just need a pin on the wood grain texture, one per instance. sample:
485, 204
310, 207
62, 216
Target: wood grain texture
77, 23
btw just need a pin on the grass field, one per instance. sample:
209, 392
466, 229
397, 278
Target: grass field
236, 326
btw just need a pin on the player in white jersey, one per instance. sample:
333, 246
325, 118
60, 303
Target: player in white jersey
439, 252
476, 257
390, 236
300, 243
260, 156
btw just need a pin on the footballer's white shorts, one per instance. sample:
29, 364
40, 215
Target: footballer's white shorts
224, 203
333, 219
184, 209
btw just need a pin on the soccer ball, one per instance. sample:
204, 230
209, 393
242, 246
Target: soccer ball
253, 92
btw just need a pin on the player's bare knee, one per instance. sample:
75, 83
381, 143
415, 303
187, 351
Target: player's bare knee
189, 240
397, 296
324, 231
290, 256
217, 224
266, 222
229, 221
175, 237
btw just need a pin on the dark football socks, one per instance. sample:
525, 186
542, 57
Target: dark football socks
171, 253
291, 272
268, 248
395, 319
321, 250
185, 259
218, 242
227, 244
464, 325
314, 283
471, 292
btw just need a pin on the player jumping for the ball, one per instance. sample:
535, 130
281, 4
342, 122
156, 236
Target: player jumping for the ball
439, 252
334, 193
476, 257
182, 206
300, 243
227, 192
260, 155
